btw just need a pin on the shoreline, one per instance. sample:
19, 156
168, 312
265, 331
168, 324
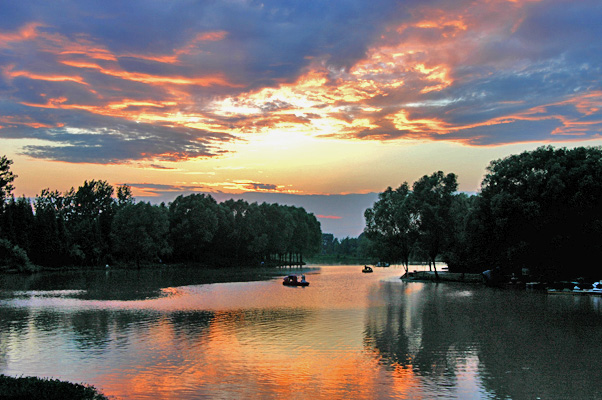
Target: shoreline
444, 276
46, 388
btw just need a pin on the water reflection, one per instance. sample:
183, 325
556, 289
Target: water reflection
121, 284
348, 335
496, 344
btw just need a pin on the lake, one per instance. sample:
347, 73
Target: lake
166, 335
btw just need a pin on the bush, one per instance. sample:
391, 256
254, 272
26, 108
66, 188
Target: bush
26, 388
13, 257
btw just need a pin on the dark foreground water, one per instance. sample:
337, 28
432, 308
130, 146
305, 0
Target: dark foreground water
152, 335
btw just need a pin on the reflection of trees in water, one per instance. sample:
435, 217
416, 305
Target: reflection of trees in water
386, 331
538, 346
13, 323
127, 284
418, 334
528, 345
190, 325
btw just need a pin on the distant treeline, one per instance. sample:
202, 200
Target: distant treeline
89, 227
348, 250
539, 210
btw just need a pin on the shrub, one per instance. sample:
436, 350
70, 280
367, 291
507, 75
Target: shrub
50, 389
13, 257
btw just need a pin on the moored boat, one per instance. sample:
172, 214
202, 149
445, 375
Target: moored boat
579, 288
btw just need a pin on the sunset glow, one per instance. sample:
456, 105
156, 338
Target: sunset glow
282, 93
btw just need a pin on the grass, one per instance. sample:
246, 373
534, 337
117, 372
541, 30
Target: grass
32, 388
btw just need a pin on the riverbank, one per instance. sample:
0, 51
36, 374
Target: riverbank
12, 388
443, 276
213, 265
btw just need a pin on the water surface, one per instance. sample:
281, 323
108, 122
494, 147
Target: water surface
348, 335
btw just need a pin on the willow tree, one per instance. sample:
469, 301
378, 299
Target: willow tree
391, 225
432, 197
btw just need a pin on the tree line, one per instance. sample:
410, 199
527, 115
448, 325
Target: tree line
539, 210
97, 224
348, 250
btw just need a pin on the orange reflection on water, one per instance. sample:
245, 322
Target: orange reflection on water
285, 345
237, 356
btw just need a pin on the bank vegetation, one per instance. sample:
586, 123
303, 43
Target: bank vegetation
539, 211
97, 225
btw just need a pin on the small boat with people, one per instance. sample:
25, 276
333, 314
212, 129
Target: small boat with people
293, 280
367, 269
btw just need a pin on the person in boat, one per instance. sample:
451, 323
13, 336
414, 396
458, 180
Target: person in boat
302, 278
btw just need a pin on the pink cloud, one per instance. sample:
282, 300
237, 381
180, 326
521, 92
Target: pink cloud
329, 216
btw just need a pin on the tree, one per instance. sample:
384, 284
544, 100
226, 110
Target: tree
124, 196
193, 222
431, 202
13, 257
278, 227
139, 233
464, 252
6, 179
542, 211
18, 222
51, 242
391, 225
240, 214
88, 214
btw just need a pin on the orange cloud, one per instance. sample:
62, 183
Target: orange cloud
211, 36
9, 72
27, 32
209, 80
25, 121
192, 47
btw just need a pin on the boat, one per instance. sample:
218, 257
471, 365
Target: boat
293, 280
575, 292
367, 269
382, 264
579, 288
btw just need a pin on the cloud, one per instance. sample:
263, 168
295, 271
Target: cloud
82, 137
260, 186
328, 217
125, 81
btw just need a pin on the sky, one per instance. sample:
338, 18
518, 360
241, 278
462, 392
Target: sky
321, 104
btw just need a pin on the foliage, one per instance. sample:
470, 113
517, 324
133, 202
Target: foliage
6, 179
13, 257
48, 389
347, 250
542, 210
88, 226
193, 223
432, 198
539, 210
392, 225
139, 233
405, 221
